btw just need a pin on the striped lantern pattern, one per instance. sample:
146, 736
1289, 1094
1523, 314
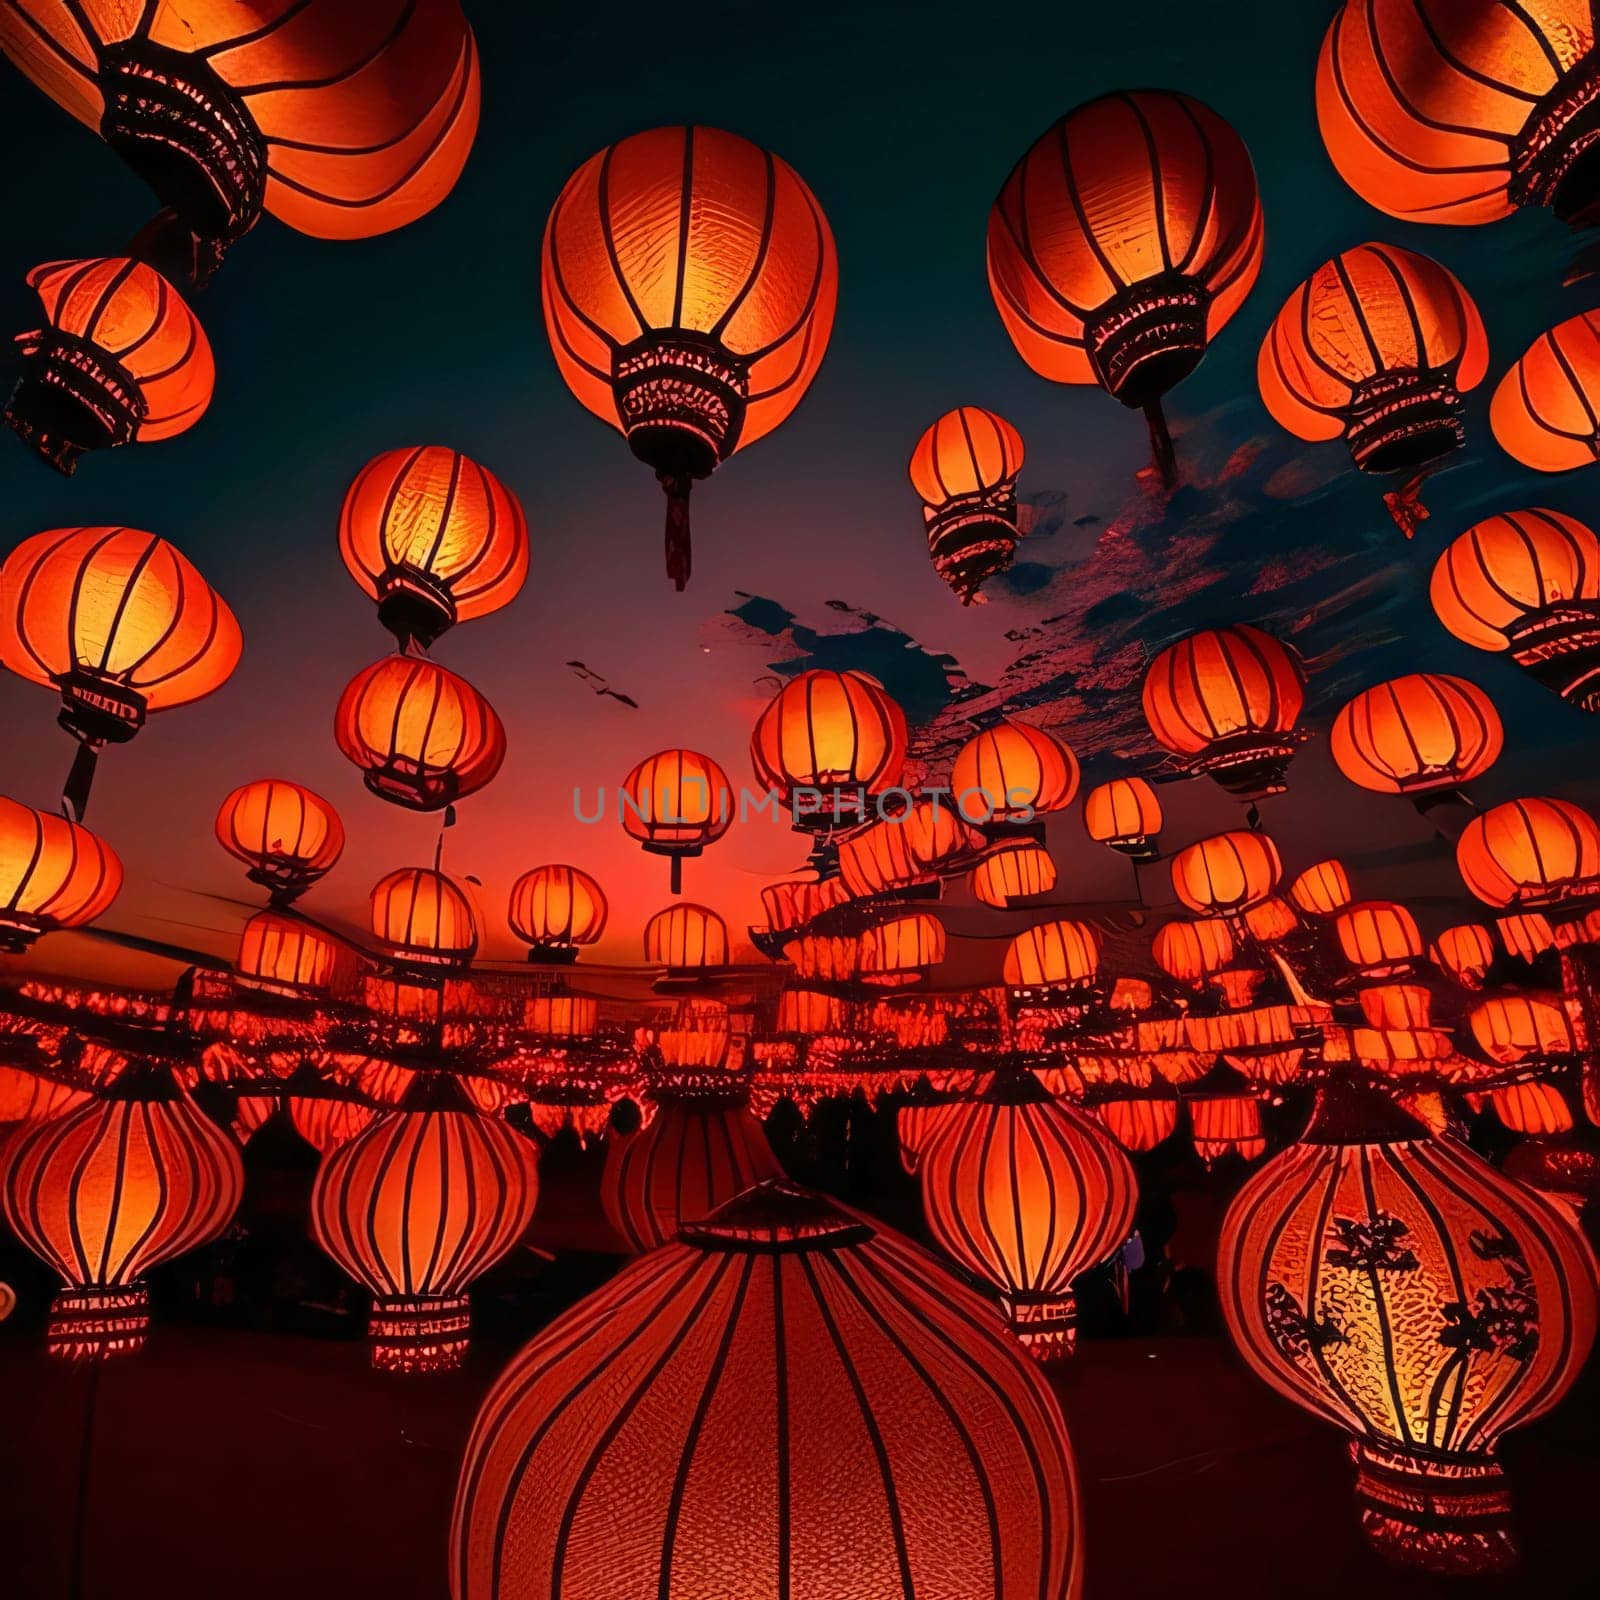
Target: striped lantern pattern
1531, 853
53, 874
1417, 734
287, 834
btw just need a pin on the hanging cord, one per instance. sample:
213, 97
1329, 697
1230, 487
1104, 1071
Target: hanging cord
1161, 447
676, 486
448, 820
75, 795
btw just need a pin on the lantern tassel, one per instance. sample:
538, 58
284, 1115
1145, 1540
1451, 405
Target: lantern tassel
75, 795
676, 487
677, 874
1161, 448
1405, 504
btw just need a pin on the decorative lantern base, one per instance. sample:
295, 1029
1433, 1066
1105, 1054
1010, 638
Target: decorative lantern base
1555, 162
1148, 338
419, 1333
681, 402
1047, 1325
414, 605
971, 540
1451, 1517
1400, 421
1252, 766
71, 397
93, 1323
1559, 647
403, 783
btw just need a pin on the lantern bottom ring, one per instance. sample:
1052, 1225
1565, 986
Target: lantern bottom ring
419, 1333
90, 1323
1449, 1515
1046, 1324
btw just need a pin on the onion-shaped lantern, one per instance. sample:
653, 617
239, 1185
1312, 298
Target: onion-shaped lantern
284, 955
434, 538
105, 1192
689, 282
287, 834
1546, 409
120, 624
1013, 872
826, 743
1192, 951
1271, 920
1126, 293
342, 127
1227, 873
698, 1151
964, 470
685, 938
1529, 854
1379, 938
675, 803
53, 874
1528, 582
1051, 960
1322, 889
554, 910
1028, 1193
1009, 776
1466, 951
1377, 346
426, 1198
924, 1458
900, 950
1396, 1285
1423, 733
119, 358
1126, 815
424, 919
1462, 113
423, 737
1225, 702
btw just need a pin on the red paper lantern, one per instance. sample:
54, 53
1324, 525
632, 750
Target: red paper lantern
287, 834
53, 874
964, 470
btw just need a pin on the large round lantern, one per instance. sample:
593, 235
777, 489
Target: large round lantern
434, 538
1466, 951
827, 742
1379, 938
654, 1439
284, 955
1418, 734
1126, 815
1399, 1287
699, 1150
554, 909
422, 736
1013, 872
1013, 773
1546, 409
685, 937
120, 624
1126, 294
1051, 960
119, 358
1192, 951
1322, 889
964, 470
1027, 1193
1225, 702
1528, 582
1227, 873
288, 835
900, 950
105, 1192
1377, 346
1460, 114
1528, 854
689, 282
53, 874
424, 918
675, 803
342, 127
427, 1197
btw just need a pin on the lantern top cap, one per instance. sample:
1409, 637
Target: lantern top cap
777, 1217
1351, 1109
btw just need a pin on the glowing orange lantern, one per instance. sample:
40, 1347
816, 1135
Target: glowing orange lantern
1397, 1286
561, 1016
935, 835
1379, 938
1192, 951
1140, 1121
424, 918
120, 624
1546, 409
427, 1197
1532, 1107
1013, 773
1126, 295
1418, 734
676, 803
1530, 854
342, 126
282, 953
1013, 872
689, 282
878, 860
900, 950
53, 874
1528, 582
1225, 1116
106, 1192
780, 1293
120, 357
1051, 959
1513, 1028
434, 538
554, 909
1322, 889
1227, 873
1460, 115
287, 834
423, 737
965, 469
1226, 702
1027, 1193
1271, 920
685, 937
325, 1123
1466, 952
1526, 936
825, 958
1126, 815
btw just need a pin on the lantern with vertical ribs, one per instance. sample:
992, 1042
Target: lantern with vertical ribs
1192, 951
1322, 889
1012, 774
1224, 1116
1028, 1193
1424, 733
686, 937
1126, 815
900, 950
878, 861
131, 1179
1226, 702
1546, 409
434, 538
283, 955
424, 919
964, 470
1530, 854
287, 835
689, 282
925, 1458
1466, 951
1528, 582
675, 803
426, 1198
554, 910
1051, 961
1379, 938
119, 358
53, 874
1227, 873
1013, 872
1396, 1285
